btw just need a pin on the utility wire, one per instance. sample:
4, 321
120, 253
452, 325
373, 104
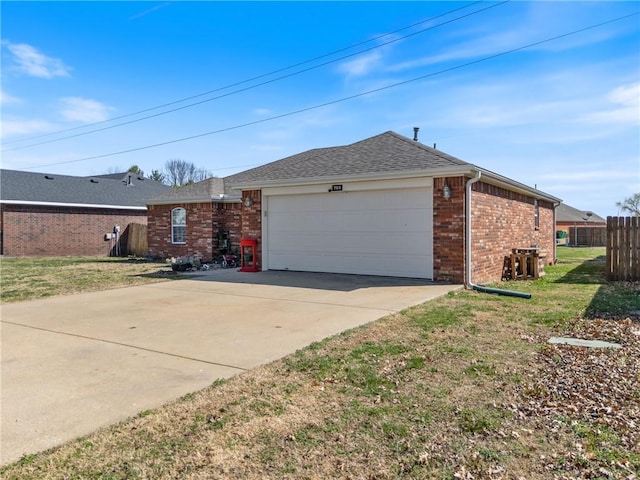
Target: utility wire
258, 77
351, 97
255, 85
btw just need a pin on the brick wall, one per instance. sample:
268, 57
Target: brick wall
252, 221
204, 221
227, 218
199, 233
502, 220
448, 230
59, 231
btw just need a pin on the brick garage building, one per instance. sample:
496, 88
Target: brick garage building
386, 205
58, 215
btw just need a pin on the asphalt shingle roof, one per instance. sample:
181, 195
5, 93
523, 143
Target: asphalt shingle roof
35, 187
567, 213
384, 153
387, 152
205, 190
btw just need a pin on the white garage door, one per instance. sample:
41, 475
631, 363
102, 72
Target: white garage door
381, 232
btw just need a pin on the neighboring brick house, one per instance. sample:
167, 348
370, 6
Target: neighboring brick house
567, 216
386, 205
579, 227
58, 215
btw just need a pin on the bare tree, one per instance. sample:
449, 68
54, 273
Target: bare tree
631, 205
200, 174
180, 172
112, 170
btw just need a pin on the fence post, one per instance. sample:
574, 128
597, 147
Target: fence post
609, 251
635, 247
623, 248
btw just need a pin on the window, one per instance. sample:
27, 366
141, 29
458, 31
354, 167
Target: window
178, 225
536, 215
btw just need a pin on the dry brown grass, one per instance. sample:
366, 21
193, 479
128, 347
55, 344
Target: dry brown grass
31, 278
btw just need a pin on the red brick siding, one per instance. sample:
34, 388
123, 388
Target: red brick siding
252, 221
448, 230
204, 220
227, 217
502, 220
29, 230
198, 237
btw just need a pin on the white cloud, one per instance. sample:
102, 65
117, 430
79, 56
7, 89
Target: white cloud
29, 61
6, 99
148, 11
10, 128
76, 109
361, 65
585, 176
266, 148
624, 106
531, 29
261, 111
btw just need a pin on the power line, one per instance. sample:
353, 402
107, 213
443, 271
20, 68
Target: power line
258, 77
259, 84
344, 99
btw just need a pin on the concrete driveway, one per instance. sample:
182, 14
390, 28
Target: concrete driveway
75, 363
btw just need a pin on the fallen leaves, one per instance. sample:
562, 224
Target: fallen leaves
593, 391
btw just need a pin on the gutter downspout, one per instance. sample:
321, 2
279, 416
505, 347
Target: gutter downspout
468, 263
555, 226
467, 214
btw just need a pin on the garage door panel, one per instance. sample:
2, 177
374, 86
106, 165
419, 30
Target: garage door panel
362, 221
385, 265
385, 232
397, 244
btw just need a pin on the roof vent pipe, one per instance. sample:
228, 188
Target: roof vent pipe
415, 133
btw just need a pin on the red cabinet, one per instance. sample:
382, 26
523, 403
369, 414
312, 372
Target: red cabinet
248, 255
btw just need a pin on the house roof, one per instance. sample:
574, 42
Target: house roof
387, 155
204, 191
384, 153
568, 214
126, 191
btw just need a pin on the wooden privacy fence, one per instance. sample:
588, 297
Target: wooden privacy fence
623, 248
588, 236
137, 240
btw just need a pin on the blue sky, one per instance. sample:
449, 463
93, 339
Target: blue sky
562, 114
